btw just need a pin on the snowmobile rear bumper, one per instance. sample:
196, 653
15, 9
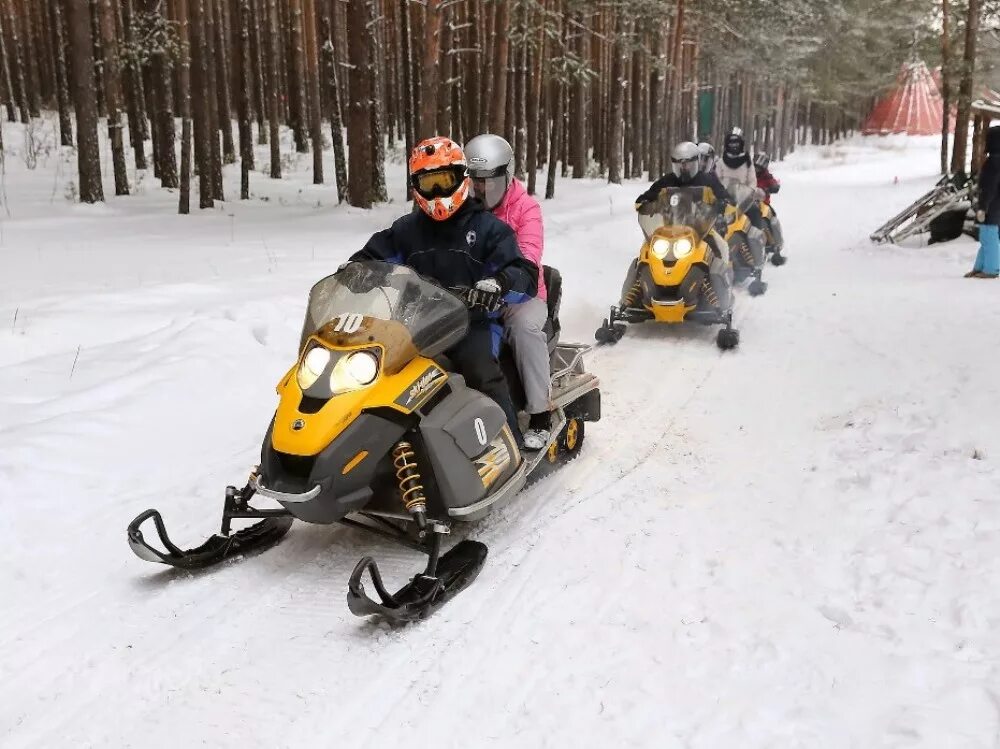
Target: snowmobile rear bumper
273, 525
441, 581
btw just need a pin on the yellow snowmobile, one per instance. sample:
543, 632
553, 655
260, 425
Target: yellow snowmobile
746, 244
373, 431
669, 281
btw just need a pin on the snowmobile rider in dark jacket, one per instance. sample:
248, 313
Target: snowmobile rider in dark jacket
456, 242
987, 263
686, 171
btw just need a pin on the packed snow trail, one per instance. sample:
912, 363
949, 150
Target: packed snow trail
788, 545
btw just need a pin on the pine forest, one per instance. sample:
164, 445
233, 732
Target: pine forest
598, 88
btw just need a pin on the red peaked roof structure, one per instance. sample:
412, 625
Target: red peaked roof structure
912, 106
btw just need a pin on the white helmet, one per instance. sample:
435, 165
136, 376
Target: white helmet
685, 160
491, 166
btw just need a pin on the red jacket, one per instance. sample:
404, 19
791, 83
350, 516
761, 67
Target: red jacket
767, 182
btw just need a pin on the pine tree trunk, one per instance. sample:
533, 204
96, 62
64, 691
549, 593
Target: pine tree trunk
201, 94
535, 100
85, 100
62, 75
296, 76
335, 111
10, 98
376, 55
32, 77
619, 80
134, 97
183, 33
578, 107
360, 187
312, 79
112, 82
223, 76
430, 69
214, 99
259, 54
44, 40
274, 104
20, 87
487, 75
945, 84
163, 125
500, 62
675, 79
444, 103
521, 129
243, 69
959, 155
406, 63
555, 140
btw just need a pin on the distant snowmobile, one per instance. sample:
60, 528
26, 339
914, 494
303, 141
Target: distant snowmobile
373, 431
746, 243
670, 280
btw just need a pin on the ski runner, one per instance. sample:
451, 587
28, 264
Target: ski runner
454, 241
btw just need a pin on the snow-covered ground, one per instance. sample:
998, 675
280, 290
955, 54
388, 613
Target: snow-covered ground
793, 545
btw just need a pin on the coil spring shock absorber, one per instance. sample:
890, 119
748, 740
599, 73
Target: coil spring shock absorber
408, 477
746, 252
632, 295
709, 292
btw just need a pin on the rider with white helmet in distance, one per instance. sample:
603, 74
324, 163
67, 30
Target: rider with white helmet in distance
491, 166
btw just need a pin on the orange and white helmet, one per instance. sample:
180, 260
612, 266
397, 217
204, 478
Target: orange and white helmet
439, 176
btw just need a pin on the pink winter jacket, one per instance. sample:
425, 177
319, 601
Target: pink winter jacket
522, 213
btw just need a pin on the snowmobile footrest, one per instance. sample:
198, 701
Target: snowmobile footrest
425, 593
216, 549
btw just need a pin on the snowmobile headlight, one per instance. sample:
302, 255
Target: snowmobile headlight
660, 247
314, 363
354, 371
682, 248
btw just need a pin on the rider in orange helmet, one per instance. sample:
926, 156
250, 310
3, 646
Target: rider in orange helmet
456, 242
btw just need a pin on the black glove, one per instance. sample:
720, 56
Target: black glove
358, 278
481, 299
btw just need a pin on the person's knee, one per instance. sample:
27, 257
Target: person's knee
521, 326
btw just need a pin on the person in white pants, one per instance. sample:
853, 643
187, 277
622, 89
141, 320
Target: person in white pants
491, 166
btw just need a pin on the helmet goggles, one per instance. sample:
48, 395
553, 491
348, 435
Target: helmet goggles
438, 183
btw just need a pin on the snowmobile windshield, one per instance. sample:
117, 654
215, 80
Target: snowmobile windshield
392, 305
744, 195
693, 207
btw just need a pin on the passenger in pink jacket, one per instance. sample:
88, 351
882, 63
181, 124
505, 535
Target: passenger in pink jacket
491, 166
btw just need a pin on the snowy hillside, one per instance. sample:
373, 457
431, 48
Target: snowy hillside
791, 545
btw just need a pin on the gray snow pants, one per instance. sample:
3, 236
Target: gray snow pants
525, 330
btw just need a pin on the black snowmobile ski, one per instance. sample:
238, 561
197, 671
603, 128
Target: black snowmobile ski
221, 546
444, 578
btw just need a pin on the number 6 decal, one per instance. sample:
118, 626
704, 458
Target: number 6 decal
481, 432
349, 323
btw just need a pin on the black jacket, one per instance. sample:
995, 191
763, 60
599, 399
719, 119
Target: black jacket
701, 179
470, 246
989, 178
